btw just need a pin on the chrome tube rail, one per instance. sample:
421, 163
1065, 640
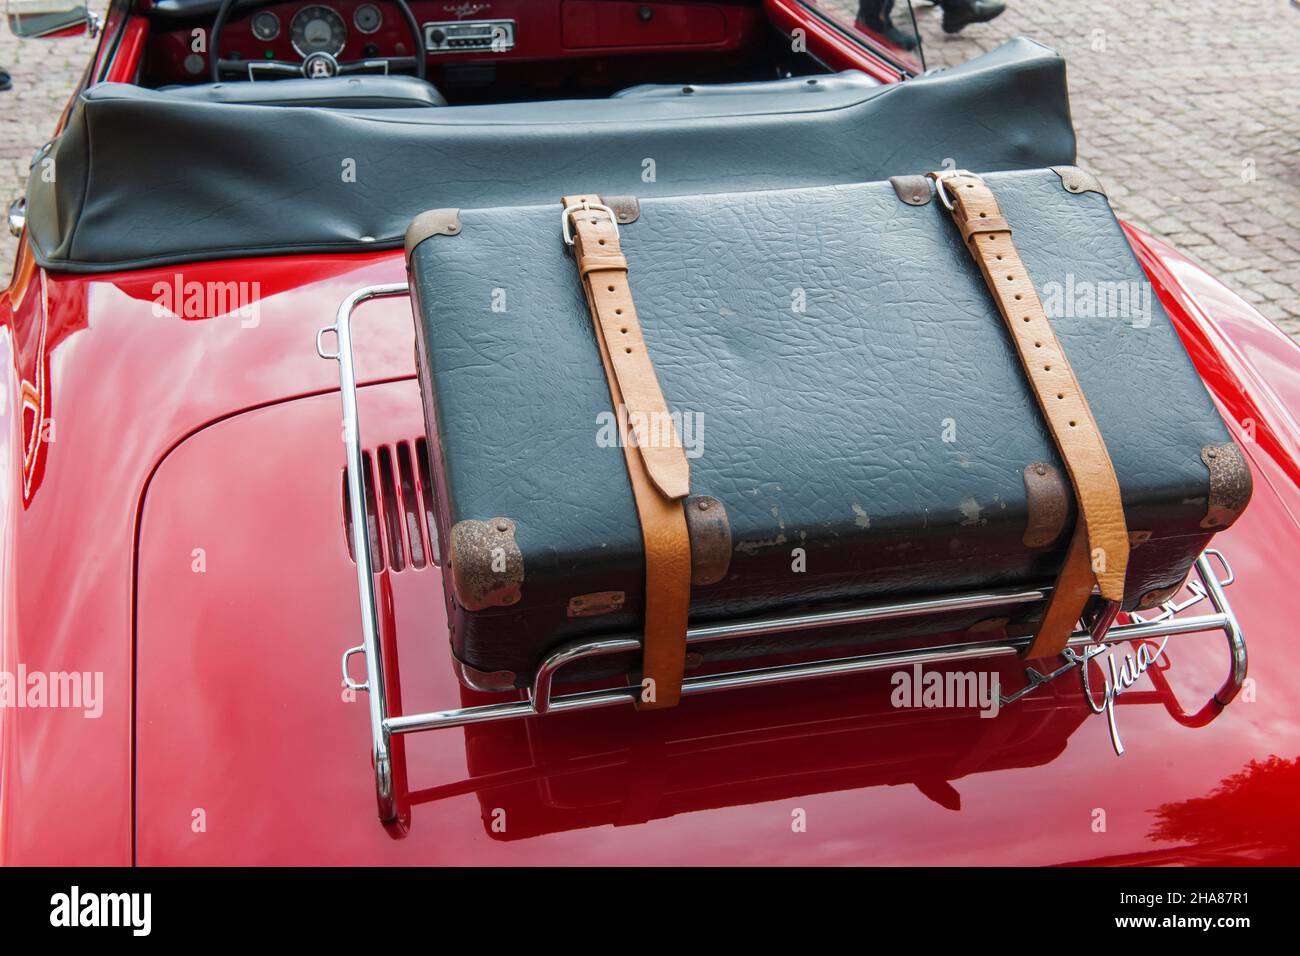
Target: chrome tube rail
376, 694
542, 698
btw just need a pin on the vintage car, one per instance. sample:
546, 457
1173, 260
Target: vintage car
192, 540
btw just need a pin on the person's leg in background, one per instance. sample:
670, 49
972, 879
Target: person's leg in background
874, 15
959, 14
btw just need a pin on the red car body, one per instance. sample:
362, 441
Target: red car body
171, 515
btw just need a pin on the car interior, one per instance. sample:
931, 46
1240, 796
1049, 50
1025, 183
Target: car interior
361, 114
394, 54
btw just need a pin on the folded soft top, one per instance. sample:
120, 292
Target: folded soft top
147, 177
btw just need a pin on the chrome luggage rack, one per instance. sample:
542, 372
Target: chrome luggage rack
1169, 620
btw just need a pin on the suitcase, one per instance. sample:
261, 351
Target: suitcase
850, 402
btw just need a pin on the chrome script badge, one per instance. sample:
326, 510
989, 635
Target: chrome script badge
1116, 678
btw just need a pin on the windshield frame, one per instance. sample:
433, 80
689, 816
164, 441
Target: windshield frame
908, 64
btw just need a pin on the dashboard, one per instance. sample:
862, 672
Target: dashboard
316, 28
345, 29
461, 36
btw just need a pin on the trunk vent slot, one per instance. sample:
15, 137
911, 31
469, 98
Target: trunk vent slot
399, 518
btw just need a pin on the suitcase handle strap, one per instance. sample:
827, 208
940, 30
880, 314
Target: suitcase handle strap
1099, 546
656, 462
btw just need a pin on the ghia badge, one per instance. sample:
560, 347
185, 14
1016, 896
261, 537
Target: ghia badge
462, 10
1116, 679
1123, 668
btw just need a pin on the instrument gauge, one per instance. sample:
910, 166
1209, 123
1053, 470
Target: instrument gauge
367, 18
266, 25
317, 29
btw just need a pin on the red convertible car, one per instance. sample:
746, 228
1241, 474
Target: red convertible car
223, 634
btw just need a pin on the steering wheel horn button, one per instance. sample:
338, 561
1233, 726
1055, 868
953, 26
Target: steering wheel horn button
320, 66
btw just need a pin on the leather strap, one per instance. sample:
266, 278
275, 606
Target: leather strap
1099, 546
659, 471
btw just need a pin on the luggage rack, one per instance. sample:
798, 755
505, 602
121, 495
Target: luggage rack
541, 699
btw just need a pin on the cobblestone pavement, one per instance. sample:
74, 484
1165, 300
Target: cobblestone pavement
45, 73
1189, 110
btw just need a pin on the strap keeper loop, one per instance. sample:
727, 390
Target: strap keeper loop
977, 226
601, 262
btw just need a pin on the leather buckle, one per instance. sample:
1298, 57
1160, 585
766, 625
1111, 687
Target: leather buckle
566, 222
940, 178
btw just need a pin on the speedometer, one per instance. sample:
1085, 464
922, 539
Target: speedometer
317, 30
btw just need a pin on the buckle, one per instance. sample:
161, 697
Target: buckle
940, 178
566, 222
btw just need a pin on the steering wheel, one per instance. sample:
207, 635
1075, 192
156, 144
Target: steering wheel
318, 65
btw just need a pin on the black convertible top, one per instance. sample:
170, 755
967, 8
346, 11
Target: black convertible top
150, 177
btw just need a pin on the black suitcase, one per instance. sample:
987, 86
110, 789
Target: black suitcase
854, 397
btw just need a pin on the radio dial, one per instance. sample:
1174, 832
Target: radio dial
484, 36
